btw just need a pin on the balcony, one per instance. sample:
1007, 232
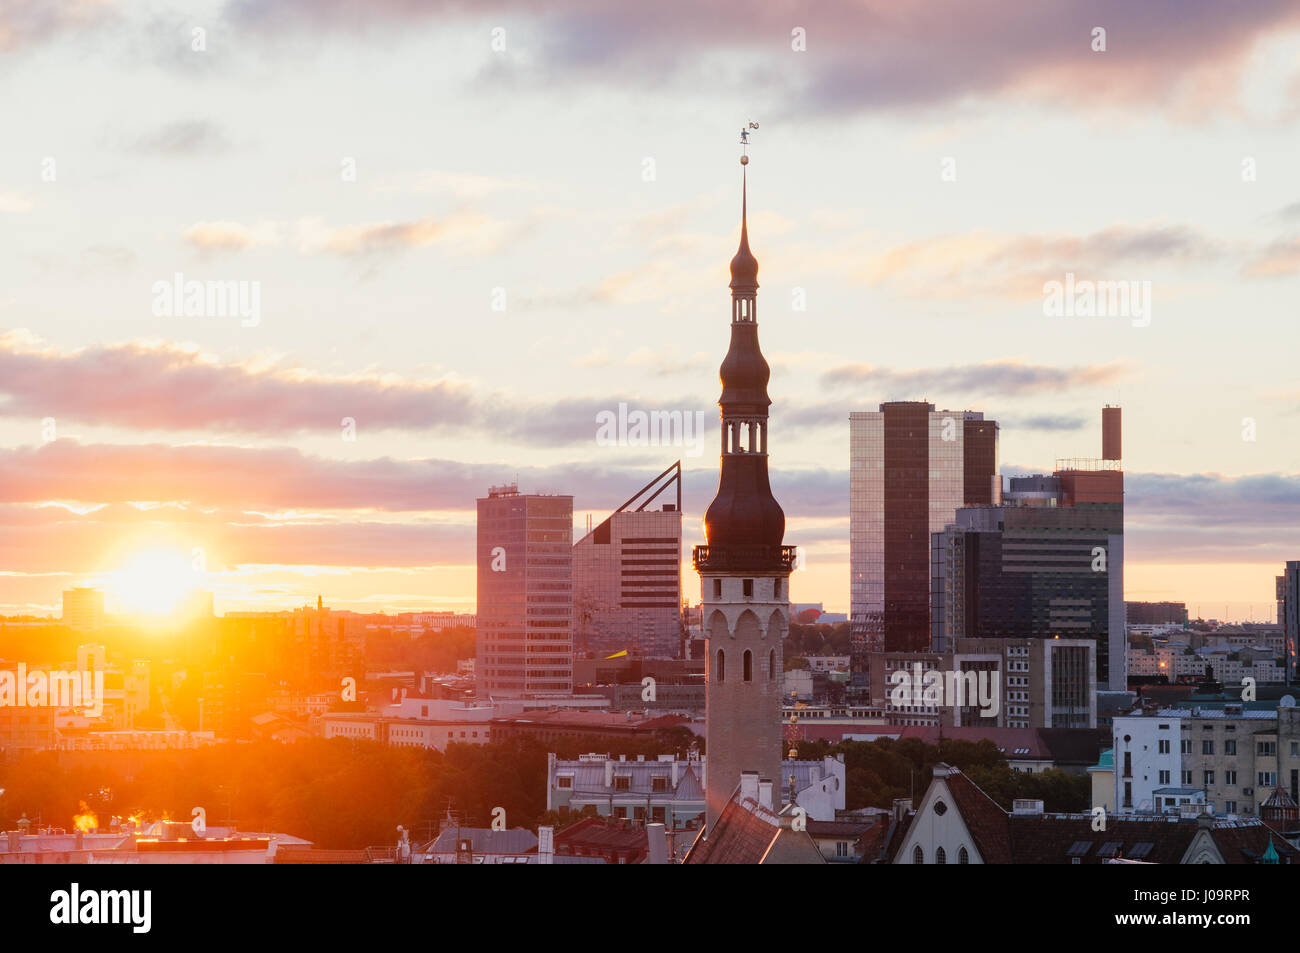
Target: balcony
755, 559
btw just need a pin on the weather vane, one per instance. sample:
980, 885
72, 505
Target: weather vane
744, 141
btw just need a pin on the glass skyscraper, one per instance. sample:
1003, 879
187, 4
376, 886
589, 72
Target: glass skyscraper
910, 469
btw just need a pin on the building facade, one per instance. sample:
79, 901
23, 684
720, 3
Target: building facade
627, 582
910, 468
1047, 562
525, 594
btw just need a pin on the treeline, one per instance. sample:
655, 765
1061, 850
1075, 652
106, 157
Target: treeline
348, 794
877, 772
805, 640
336, 793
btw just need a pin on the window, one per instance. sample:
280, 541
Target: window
564, 782
717, 588
841, 848
1164, 777
1266, 748
1267, 779
918, 855
1209, 778
1164, 746
721, 666
776, 588
1230, 746
1207, 747
1230, 778
658, 785
1187, 779
963, 857
623, 783
1186, 746
1230, 807
747, 664
747, 587
940, 857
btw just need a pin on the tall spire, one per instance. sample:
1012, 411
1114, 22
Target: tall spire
744, 512
744, 266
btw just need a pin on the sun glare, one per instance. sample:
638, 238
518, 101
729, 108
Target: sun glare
155, 581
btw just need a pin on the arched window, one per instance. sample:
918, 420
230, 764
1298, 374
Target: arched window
748, 664
963, 857
918, 855
722, 666
771, 665
940, 857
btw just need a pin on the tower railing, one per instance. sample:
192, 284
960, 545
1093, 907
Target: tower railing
743, 558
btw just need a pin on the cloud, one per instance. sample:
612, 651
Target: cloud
861, 55
1277, 260
157, 386
185, 137
29, 23
1004, 377
230, 236
462, 232
1016, 266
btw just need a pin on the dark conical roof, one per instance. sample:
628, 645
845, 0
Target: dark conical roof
744, 266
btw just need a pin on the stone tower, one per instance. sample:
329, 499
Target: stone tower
744, 570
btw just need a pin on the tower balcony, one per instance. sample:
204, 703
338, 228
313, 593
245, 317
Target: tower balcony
751, 558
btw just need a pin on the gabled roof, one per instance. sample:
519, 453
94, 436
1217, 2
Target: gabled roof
984, 818
747, 832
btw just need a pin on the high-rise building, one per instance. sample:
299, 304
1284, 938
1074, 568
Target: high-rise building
744, 569
525, 594
83, 609
910, 468
627, 578
1288, 600
1047, 562
1156, 613
327, 645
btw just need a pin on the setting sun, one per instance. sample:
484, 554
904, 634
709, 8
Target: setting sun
156, 581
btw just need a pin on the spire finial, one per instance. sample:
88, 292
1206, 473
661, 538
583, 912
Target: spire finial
744, 268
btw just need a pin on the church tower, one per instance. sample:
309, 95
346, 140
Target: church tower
744, 570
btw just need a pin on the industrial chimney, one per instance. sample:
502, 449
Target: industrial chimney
1110, 433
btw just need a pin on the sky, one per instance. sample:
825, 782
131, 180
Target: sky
473, 228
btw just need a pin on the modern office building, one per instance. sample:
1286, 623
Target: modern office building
627, 576
910, 469
1047, 562
525, 594
83, 609
1288, 613
744, 570
1031, 683
1156, 613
